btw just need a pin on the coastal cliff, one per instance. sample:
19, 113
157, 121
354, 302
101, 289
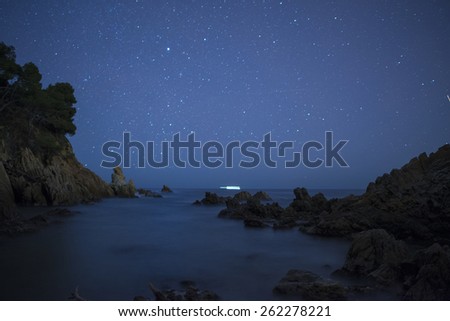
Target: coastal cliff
37, 164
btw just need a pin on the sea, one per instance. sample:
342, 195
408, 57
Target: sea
113, 249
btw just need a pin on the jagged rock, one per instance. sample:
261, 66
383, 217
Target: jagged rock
252, 211
412, 203
120, 186
166, 189
262, 196
242, 196
309, 286
375, 253
212, 199
8, 209
60, 180
232, 203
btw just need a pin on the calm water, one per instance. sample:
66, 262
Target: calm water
113, 249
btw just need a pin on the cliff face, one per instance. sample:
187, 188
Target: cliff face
38, 166
55, 180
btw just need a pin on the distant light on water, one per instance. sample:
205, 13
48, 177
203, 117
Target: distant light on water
231, 187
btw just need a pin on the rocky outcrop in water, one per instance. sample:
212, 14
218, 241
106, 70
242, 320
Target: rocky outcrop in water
148, 193
232, 201
37, 163
211, 199
120, 186
166, 189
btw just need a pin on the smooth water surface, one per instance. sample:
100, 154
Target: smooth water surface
112, 250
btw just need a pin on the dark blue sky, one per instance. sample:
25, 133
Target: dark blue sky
374, 72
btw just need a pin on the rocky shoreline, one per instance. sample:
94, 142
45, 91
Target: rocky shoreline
400, 231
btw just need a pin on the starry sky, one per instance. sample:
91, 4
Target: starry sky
376, 73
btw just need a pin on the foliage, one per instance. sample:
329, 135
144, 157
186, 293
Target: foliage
35, 115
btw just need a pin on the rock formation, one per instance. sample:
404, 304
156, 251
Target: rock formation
37, 163
148, 193
211, 199
412, 203
166, 189
120, 186
58, 180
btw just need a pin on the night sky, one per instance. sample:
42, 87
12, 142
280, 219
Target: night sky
376, 73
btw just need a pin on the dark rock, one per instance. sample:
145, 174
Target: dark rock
251, 222
309, 286
166, 189
148, 193
412, 203
212, 199
262, 196
189, 293
242, 196
59, 180
253, 210
62, 212
431, 278
232, 203
8, 209
376, 254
